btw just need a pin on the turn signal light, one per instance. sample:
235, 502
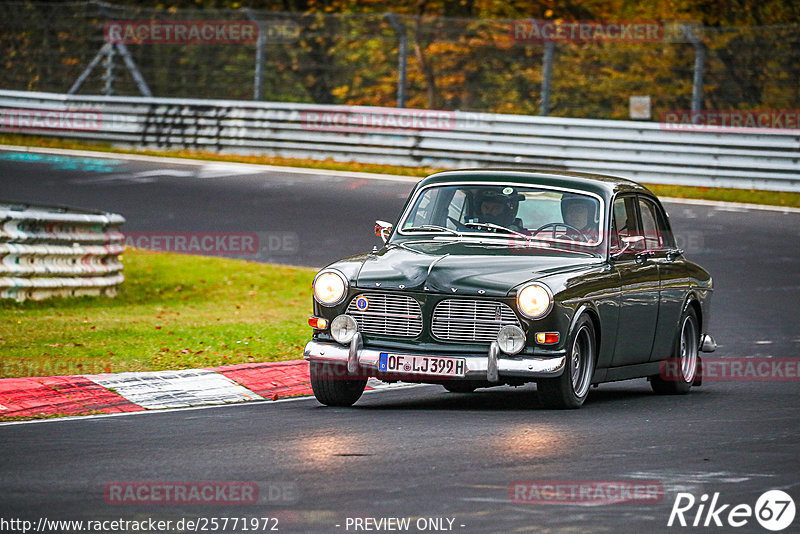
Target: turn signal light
317, 322
547, 338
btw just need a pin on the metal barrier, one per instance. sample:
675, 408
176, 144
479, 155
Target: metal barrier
649, 152
50, 251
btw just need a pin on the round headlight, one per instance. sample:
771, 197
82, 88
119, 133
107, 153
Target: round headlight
343, 329
511, 339
534, 301
329, 288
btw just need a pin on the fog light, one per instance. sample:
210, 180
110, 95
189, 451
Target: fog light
511, 339
343, 329
547, 338
317, 322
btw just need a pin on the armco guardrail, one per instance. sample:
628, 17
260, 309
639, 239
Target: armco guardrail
644, 151
50, 251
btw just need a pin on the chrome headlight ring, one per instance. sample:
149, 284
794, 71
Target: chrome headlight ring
534, 300
327, 290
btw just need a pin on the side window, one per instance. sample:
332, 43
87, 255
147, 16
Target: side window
624, 221
651, 229
457, 209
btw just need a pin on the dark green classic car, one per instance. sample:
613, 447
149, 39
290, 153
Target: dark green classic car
496, 277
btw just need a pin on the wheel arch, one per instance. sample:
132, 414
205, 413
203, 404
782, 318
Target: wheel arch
692, 301
588, 309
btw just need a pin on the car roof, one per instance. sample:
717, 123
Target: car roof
601, 184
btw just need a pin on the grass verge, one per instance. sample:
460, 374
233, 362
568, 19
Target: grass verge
749, 196
173, 311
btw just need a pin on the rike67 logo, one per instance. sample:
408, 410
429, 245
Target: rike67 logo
774, 510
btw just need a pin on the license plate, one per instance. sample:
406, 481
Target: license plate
422, 365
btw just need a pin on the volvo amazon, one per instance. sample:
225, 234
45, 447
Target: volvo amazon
494, 277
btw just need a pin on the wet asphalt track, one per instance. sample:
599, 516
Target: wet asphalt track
418, 452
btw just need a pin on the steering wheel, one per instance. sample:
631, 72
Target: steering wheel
555, 226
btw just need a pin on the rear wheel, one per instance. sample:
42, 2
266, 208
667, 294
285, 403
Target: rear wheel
678, 373
331, 385
571, 388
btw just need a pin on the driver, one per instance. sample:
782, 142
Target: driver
497, 208
581, 213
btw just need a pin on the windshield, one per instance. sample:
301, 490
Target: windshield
548, 217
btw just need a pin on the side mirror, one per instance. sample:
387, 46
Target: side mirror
383, 229
629, 243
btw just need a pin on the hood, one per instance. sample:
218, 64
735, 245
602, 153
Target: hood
462, 267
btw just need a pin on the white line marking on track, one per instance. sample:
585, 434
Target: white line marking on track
193, 408
250, 167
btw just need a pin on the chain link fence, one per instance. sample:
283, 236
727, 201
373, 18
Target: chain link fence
380, 59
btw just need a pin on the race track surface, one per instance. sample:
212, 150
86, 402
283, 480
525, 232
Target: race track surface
417, 452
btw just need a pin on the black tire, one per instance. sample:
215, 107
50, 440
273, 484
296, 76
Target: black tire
570, 390
679, 371
332, 388
460, 387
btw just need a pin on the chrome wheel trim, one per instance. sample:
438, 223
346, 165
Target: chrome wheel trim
581, 358
688, 349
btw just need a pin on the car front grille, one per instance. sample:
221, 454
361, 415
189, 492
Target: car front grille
387, 315
476, 321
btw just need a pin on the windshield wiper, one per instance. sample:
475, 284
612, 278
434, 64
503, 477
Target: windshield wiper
431, 227
492, 226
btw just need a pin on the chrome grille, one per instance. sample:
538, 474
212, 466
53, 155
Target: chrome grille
388, 315
471, 320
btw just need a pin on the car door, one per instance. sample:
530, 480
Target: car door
673, 278
639, 286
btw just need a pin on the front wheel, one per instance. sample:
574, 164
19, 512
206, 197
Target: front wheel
571, 388
331, 385
678, 373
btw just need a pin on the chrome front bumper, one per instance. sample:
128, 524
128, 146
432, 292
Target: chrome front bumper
490, 367
707, 343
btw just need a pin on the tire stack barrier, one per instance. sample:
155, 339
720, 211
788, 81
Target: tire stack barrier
48, 251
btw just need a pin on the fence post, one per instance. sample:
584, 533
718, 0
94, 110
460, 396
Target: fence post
547, 74
108, 75
402, 58
699, 68
258, 78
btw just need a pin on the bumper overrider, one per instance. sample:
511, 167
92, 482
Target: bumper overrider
493, 366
